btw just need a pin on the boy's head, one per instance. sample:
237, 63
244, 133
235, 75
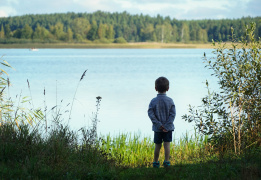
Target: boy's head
162, 84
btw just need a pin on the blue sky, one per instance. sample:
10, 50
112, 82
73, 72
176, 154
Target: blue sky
179, 9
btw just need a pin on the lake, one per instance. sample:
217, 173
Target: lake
124, 78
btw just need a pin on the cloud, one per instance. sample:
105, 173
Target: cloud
9, 2
6, 11
201, 12
253, 8
103, 5
8, 8
185, 9
3, 14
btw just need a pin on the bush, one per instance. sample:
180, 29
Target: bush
233, 116
120, 40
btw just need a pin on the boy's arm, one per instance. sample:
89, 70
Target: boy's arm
172, 115
153, 118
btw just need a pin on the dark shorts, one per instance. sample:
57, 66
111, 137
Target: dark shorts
159, 137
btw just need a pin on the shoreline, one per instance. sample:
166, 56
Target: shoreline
139, 45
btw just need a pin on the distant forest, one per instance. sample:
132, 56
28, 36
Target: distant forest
104, 27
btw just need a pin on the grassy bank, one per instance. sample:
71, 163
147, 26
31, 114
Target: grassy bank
132, 151
111, 45
28, 153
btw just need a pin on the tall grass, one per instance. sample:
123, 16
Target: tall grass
25, 154
31, 151
134, 151
128, 150
28, 149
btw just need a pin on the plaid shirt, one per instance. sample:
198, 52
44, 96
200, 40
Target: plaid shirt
162, 112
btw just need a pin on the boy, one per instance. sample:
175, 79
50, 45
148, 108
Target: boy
162, 113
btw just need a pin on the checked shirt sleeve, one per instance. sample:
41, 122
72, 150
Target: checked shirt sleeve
172, 115
152, 117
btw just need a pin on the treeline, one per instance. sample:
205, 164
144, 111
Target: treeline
107, 27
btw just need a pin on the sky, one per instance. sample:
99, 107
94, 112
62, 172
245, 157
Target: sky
178, 9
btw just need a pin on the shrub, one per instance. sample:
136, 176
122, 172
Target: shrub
120, 40
233, 116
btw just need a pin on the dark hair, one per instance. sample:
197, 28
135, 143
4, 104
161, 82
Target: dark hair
162, 84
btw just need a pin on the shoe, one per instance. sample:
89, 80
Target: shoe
156, 164
166, 164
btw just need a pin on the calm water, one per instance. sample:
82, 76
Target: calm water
124, 78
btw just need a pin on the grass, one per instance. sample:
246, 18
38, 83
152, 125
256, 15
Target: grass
59, 154
133, 151
208, 170
27, 154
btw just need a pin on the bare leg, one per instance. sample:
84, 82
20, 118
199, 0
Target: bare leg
167, 150
156, 152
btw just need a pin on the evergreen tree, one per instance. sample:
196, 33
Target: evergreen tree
2, 32
126, 31
110, 32
167, 32
102, 31
92, 34
38, 32
193, 30
185, 33
26, 32
8, 32
160, 32
216, 33
224, 33
80, 27
203, 36
69, 35
147, 33
58, 32
17, 33
174, 33
118, 31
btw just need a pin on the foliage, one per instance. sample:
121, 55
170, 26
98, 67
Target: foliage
84, 27
28, 154
10, 113
233, 115
29, 149
132, 150
59, 155
120, 40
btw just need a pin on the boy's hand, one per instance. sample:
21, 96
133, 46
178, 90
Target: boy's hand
163, 129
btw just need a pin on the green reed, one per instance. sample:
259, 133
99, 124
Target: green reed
132, 150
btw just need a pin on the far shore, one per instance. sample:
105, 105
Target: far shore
140, 45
